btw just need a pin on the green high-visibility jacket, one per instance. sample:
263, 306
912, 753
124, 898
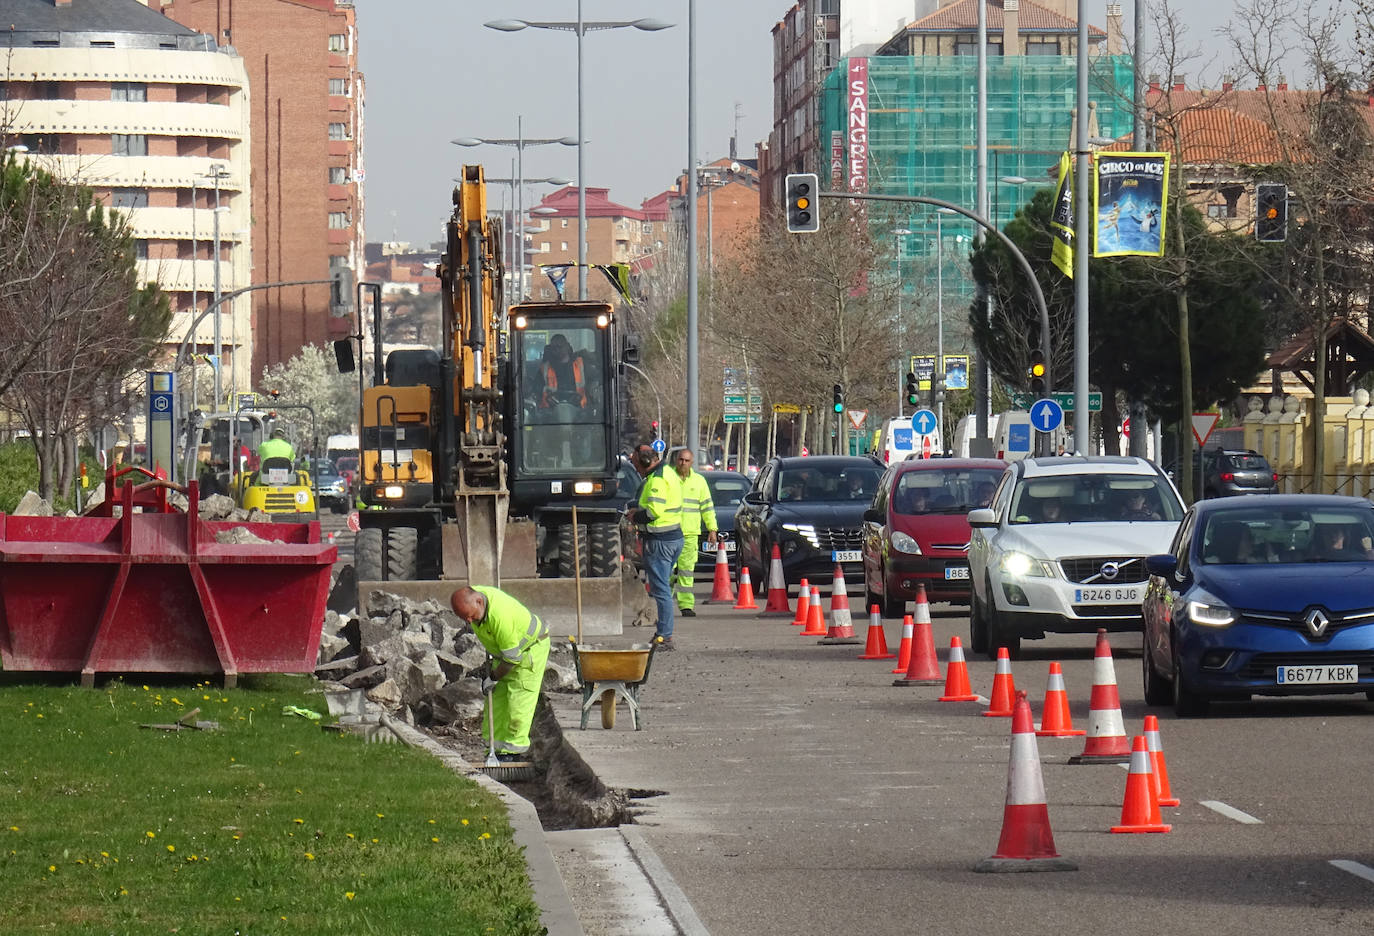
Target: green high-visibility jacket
661, 498
276, 448
697, 508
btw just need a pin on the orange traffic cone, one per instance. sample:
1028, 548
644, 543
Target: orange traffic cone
841, 623
904, 648
1055, 721
777, 587
1003, 687
1140, 808
1158, 768
720, 588
923, 669
1106, 742
1027, 842
957, 688
877, 639
746, 592
815, 621
803, 604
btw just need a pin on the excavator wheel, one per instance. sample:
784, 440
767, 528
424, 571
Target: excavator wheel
401, 547
565, 549
367, 556
603, 554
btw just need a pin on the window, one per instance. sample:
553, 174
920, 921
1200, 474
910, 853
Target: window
140, 249
563, 246
565, 222
129, 198
338, 260
128, 144
338, 131
1221, 211
338, 42
1036, 46
48, 91
40, 142
338, 175
646, 228
338, 86
4, 91
338, 220
970, 47
128, 91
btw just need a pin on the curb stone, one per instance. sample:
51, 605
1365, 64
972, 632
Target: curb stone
555, 907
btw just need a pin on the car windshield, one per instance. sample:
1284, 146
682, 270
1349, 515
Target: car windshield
1094, 498
1248, 463
727, 491
944, 490
1264, 534
847, 483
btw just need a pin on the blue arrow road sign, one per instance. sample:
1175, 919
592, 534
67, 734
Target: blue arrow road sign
923, 421
1046, 415
659, 446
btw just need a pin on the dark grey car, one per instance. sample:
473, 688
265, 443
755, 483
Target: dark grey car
1226, 472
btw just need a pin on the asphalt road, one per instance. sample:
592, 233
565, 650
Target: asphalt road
801, 792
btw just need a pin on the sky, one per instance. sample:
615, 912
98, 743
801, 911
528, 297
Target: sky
434, 73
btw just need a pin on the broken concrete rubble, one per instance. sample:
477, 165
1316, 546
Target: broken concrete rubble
31, 505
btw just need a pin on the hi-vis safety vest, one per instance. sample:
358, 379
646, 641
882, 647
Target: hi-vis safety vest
661, 498
697, 508
508, 630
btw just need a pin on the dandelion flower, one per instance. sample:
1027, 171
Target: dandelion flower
123, 892
298, 821
14, 828
176, 701
375, 841
348, 895
309, 857
206, 698
349, 835
485, 835
381, 815
150, 834
431, 822
171, 848
52, 867
434, 839
40, 714
465, 822
104, 854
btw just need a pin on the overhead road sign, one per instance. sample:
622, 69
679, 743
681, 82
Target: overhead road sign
1065, 401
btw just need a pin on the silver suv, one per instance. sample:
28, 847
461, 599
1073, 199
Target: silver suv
1062, 548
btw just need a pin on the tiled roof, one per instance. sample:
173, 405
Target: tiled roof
599, 204
88, 16
962, 16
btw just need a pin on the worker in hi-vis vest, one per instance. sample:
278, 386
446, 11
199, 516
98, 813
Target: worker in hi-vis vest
518, 642
658, 518
697, 511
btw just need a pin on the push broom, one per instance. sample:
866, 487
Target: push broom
494, 768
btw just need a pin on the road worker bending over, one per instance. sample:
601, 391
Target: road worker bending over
518, 643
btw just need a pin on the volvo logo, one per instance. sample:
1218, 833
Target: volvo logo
1110, 570
1316, 621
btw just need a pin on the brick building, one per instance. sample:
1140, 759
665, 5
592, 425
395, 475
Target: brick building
154, 118
307, 159
615, 234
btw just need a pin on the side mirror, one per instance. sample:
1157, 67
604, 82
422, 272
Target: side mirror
982, 517
343, 355
630, 354
755, 498
1163, 565
873, 516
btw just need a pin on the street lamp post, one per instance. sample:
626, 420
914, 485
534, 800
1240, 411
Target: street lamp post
580, 28
940, 314
519, 141
519, 226
898, 234
218, 172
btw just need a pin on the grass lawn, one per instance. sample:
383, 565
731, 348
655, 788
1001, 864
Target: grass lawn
269, 825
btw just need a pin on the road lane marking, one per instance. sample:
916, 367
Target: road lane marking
1355, 868
1230, 812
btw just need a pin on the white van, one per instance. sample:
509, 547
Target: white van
899, 440
337, 446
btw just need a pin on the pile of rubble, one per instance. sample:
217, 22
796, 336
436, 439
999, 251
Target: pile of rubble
416, 660
212, 507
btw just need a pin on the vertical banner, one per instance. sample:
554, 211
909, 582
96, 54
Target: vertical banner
161, 434
836, 160
956, 371
858, 125
1062, 221
923, 366
1128, 204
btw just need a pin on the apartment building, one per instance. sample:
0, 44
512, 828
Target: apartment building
307, 95
154, 118
615, 234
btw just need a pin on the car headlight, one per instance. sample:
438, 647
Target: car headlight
1020, 565
903, 543
804, 530
1209, 611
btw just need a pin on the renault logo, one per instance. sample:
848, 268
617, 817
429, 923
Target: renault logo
1110, 570
1316, 621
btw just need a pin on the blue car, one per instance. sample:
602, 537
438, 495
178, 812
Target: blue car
1265, 595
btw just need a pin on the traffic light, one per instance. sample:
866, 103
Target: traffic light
1271, 212
913, 389
340, 291
803, 217
1036, 374
839, 398
654, 427
937, 386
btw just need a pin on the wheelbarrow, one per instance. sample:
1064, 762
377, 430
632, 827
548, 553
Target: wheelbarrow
612, 675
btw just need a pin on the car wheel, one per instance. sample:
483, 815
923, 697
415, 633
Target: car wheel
977, 623
1000, 634
892, 607
1157, 688
1186, 701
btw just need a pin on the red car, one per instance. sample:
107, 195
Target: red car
916, 529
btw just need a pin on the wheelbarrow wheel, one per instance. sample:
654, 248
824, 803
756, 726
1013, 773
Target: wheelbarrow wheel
608, 709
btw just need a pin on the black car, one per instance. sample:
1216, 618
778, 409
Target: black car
333, 491
1236, 471
727, 493
812, 508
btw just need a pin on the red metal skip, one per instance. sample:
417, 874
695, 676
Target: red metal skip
153, 592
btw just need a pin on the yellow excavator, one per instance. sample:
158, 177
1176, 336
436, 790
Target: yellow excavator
495, 458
